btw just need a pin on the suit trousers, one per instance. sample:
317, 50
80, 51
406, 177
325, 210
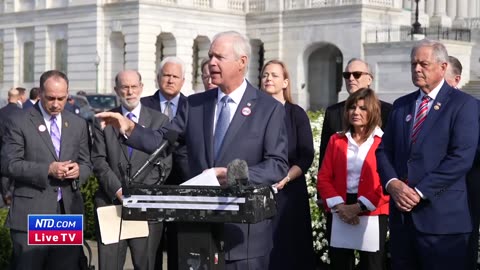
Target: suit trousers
344, 259
414, 250
257, 263
146, 252
38, 257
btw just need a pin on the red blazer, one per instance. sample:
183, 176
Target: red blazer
332, 176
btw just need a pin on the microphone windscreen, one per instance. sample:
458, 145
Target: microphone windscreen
237, 171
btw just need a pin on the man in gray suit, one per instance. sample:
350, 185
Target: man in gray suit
111, 159
46, 154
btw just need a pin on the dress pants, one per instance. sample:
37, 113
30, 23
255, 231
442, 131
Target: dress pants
145, 251
413, 250
258, 263
25, 257
344, 259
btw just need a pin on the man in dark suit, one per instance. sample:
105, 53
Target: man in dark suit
33, 98
357, 75
453, 76
169, 100
5, 113
46, 154
111, 159
234, 121
427, 149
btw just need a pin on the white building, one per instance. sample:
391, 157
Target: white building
92, 40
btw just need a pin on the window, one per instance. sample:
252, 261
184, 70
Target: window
61, 55
28, 61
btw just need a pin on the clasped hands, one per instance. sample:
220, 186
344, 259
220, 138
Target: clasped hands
64, 170
405, 197
348, 213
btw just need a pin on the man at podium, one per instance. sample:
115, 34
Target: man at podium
233, 121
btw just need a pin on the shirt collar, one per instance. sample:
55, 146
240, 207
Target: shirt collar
174, 100
135, 111
376, 132
236, 95
47, 116
433, 94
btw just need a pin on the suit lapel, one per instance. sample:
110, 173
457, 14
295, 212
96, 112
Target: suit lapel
248, 100
119, 136
434, 112
39, 125
209, 115
409, 117
67, 133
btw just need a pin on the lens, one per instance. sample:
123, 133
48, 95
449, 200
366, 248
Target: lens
356, 74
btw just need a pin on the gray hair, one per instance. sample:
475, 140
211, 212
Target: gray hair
174, 60
117, 81
369, 69
241, 44
438, 50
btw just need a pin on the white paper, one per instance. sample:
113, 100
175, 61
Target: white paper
206, 178
109, 218
364, 236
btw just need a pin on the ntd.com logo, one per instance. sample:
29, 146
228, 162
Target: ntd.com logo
55, 229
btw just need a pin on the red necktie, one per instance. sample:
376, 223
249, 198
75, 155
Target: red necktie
420, 117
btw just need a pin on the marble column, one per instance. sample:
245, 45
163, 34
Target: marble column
440, 17
473, 9
452, 10
462, 14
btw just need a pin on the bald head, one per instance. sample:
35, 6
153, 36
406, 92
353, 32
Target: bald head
13, 95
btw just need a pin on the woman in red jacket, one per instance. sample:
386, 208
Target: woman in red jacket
349, 184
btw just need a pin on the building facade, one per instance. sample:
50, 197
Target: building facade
91, 40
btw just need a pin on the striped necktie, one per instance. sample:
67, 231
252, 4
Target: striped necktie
420, 117
56, 140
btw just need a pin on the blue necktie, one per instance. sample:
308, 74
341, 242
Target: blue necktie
222, 124
130, 116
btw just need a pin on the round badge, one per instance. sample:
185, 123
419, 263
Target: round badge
436, 107
246, 111
408, 118
42, 128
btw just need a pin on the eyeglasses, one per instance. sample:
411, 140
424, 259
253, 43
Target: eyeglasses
356, 74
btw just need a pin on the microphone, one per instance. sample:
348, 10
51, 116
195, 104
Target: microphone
169, 139
237, 174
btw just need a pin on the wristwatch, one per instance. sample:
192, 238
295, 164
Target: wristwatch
363, 207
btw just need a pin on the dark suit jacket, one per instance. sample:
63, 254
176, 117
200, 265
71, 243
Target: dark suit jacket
437, 163
5, 113
333, 119
259, 138
27, 104
26, 155
179, 173
108, 152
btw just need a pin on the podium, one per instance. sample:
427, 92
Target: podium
200, 213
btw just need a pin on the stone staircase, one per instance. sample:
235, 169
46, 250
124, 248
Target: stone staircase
472, 88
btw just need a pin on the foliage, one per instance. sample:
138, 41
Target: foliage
319, 220
5, 241
88, 192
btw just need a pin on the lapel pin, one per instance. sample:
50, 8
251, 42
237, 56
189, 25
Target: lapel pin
42, 128
437, 106
249, 104
246, 111
66, 124
408, 118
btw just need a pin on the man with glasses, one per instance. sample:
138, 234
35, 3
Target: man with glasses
111, 160
357, 75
